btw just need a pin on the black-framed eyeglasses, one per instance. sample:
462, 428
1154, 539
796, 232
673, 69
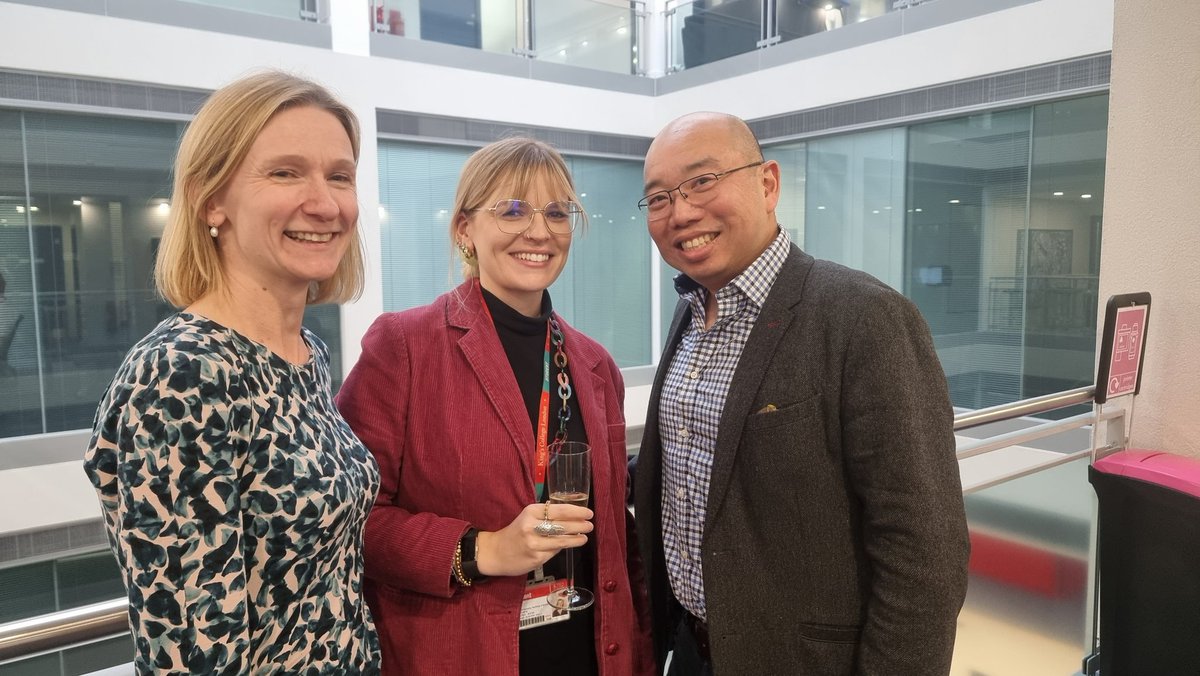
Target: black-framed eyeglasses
656, 204
514, 216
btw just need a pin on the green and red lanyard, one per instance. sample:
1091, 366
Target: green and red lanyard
554, 339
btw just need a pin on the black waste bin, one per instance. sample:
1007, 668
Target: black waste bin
1149, 563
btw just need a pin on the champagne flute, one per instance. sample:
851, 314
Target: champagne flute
568, 481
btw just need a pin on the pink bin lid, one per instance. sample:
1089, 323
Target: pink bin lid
1176, 472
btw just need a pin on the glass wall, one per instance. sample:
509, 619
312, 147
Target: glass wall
1004, 243
83, 202
604, 289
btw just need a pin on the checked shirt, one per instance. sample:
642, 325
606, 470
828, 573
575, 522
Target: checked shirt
690, 406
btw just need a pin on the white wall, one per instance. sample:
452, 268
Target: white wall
1152, 208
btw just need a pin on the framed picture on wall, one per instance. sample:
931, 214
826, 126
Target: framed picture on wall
1050, 252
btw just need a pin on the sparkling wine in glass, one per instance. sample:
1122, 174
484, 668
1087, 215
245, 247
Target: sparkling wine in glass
568, 479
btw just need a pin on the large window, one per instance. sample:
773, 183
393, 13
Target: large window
1003, 246
83, 203
990, 223
605, 288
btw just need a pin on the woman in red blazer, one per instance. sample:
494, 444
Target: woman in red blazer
449, 399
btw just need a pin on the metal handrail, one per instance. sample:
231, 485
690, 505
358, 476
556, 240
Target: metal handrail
1018, 409
64, 629
68, 628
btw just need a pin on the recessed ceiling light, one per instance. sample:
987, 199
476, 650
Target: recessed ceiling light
33, 208
20, 209
583, 44
562, 52
1085, 196
77, 202
820, 208
1058, 193
874, 211
953, 201
918, 210
622, 30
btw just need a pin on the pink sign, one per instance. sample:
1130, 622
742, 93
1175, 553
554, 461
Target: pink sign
1126, 351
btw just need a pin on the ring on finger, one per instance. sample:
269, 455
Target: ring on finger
547, 528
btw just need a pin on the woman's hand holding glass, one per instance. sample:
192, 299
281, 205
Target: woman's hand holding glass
518, 549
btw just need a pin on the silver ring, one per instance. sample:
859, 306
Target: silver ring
548, 528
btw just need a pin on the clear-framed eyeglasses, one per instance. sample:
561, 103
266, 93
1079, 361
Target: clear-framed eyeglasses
514, 216
696, 190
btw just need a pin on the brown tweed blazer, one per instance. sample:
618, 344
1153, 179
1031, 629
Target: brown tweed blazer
835, 538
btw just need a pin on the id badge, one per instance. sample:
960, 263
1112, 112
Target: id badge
536, 610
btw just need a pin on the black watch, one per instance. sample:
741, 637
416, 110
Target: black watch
470, 566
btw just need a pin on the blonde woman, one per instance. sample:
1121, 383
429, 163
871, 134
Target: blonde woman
450, 399
233, 492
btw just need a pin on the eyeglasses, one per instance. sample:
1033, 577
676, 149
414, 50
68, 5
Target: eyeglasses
656, 204
514, 217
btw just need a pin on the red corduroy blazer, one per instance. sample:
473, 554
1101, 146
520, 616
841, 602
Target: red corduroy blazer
435, 400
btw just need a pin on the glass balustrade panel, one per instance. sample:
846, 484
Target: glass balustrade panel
586, 33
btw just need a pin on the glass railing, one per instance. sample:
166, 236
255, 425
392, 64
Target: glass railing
587, 33
598, 34
703, 31
304, 10
489, 26
1026, 610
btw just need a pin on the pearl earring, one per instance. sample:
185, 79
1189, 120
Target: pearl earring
212, 231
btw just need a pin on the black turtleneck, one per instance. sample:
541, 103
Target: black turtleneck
564, 647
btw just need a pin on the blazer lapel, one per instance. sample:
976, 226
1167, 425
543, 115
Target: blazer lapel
481, 347
588, 389
776, 317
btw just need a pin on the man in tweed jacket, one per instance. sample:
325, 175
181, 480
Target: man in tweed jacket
797, 494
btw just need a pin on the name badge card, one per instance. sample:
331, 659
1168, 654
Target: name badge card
536, 610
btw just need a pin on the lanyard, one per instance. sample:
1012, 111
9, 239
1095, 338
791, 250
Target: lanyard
554, 337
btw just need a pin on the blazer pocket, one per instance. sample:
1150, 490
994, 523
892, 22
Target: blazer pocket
829, 633
784, 415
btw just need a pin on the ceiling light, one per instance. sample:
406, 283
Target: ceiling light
20, 209
382, 213
820, 208
35, 208
164, 206
583, 44
583, 194
622, 30
874, 211
954, 202
1058, 193
562, 52
918, 210
77, 202
1084, 196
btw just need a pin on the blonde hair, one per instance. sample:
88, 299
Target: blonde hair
215, 143
513, 163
